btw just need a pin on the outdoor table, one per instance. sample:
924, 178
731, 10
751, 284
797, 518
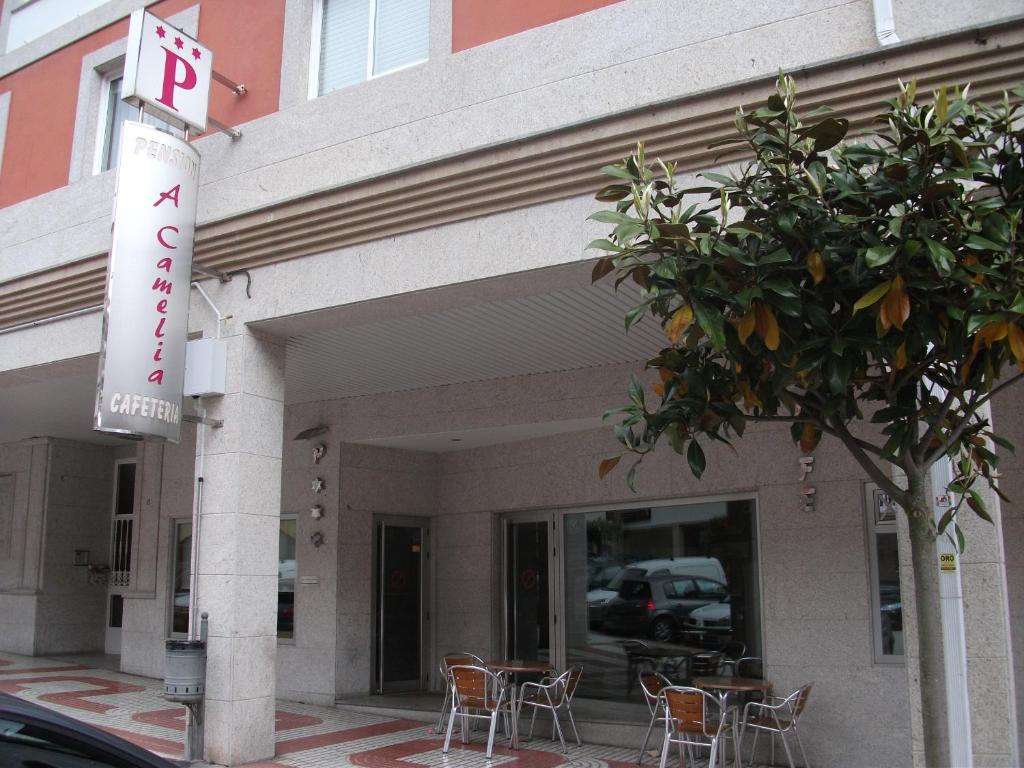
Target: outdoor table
512, 667
733, 684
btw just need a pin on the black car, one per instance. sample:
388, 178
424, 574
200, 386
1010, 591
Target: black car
658, 605
32, 736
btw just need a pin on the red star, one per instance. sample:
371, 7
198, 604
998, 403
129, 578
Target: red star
196, 54
178, 44
161, 32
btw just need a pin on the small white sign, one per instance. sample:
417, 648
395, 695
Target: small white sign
943, 500
168, 71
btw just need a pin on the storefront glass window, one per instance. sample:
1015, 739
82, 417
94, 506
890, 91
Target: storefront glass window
885, 567
653, 587
181, 589
286, 579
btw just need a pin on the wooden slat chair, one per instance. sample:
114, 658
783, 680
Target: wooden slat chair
552, 694
695, 719
777, 716
476, 693
652, 683
448, 661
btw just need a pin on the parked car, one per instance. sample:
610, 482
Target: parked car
658, 605
599, 594
711, 623
32, 736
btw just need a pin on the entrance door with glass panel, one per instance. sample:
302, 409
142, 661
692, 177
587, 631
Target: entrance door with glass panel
400, 626
119, 576
529, 590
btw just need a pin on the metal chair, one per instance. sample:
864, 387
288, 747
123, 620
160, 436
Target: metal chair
552, 694
476, 693
448, 661
637, 660
697, 719
778, 716
652, 683
732, 651
705, 664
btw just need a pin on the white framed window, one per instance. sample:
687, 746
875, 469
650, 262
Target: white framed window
112, 114
357, 40
286, 571
181, 577
884, 569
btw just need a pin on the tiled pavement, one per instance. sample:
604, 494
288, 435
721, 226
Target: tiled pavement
307, 737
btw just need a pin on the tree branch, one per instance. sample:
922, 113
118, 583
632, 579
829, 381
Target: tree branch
873, 470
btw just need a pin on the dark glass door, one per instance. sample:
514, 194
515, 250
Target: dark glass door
527, 589
399, 609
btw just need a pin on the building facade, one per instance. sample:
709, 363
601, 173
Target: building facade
404, 461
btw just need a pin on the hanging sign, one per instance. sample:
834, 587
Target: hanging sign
168, 71
145, 314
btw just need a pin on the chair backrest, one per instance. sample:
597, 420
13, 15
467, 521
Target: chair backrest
652, 683
686, 708
572, 679
798, 699
734, 649
750, 666
704, 664
465, 659
476, 683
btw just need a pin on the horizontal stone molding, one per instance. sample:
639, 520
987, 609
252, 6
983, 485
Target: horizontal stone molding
543, 168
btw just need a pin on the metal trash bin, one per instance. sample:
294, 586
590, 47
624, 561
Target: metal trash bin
185, 671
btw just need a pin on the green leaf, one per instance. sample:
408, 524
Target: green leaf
614, 192
880, 255
617, 171
827, 133
712, 322
975, 502
695, 458
634, 315
612, 217
872, 296
603, 244
941, 257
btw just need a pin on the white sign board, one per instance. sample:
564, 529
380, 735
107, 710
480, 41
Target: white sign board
145, 316
168, 71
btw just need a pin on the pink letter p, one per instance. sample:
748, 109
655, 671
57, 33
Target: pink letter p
188, 81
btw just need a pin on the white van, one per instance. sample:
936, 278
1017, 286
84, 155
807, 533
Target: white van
706, 567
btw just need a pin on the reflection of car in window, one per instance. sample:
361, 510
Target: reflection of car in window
599, 594
712, 621
658, 605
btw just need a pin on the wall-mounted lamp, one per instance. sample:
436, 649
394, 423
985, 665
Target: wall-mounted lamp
318, 452
316, 511
312, 432
317, 539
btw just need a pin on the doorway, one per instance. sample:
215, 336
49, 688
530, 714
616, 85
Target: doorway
400, 617
121, 529
529, 588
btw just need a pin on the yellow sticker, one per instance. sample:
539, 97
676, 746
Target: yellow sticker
947, 563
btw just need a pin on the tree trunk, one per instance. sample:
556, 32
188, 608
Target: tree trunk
930, 654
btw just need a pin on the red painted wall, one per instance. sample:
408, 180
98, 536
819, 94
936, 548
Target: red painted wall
475, 22
41, 118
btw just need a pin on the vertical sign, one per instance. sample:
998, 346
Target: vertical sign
145, 315
168, 71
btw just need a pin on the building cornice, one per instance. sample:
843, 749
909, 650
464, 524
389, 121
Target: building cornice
551, 166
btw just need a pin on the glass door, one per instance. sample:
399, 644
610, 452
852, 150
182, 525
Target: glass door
400, 625
529, 590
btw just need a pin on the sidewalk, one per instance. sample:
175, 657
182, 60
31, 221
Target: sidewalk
307, 737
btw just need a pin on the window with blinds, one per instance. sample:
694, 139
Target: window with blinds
360, 39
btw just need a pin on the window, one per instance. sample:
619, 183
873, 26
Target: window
677, 577
886, 602
121, 527
286, 578
181, 576
355, 40
31, 19
113, 113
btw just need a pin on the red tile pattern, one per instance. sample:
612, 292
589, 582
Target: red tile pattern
318, 740
77, 699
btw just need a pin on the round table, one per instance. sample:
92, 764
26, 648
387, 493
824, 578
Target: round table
513, 667
733, 684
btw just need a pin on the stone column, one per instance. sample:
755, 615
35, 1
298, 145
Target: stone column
238, 543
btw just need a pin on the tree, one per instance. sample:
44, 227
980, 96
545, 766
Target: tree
867, 290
